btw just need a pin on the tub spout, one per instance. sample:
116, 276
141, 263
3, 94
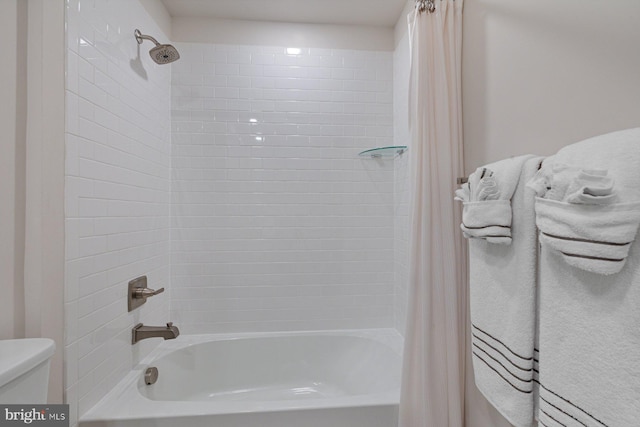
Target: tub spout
141, 332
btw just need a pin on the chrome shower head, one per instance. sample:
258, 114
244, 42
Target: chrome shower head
162, 53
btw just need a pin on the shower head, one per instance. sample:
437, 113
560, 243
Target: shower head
162, 53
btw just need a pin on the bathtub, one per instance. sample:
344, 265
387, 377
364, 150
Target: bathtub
310, 379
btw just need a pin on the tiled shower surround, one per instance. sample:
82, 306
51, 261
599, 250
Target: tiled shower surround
254, 211
277, 224
402, 184
117, 193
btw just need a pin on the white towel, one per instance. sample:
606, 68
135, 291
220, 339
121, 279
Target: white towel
482, 186
589, 324
617, 152
502, 297
594, 238
489, 220
561, 182
487, 212
589, 350
591, 187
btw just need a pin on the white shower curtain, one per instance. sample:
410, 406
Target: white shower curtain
433, 381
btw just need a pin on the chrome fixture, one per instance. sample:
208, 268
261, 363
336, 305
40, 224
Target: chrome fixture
162, 53
138, 292
426, 6
151, 375
141, 332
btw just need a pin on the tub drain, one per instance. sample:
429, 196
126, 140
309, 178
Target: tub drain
151, 375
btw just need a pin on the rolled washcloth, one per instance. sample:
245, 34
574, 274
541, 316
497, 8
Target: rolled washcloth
591, 187
487, 212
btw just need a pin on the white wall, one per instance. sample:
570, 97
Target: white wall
118, 184
12, 144
540, 75
159, 13
277, 224
265, 33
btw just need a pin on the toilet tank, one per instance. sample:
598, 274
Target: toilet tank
24, 370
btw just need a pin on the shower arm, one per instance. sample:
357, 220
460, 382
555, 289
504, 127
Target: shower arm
141, 37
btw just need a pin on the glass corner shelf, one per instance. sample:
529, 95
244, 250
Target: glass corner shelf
384, 152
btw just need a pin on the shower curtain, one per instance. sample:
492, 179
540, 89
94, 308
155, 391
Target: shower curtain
433, 378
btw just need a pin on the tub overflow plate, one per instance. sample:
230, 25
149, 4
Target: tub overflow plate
151, 375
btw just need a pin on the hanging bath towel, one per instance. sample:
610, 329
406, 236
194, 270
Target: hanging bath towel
589, 312
502, 297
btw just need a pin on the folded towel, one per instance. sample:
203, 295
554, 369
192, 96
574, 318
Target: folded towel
463, 194
541, 181
618, 153
482, 186
560, 178
561, 182
489, 220
591, 187
589, 325
594, 238
502, 297
487, 200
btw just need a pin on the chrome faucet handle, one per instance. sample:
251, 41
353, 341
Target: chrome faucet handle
146, 292
137, 292
169, 325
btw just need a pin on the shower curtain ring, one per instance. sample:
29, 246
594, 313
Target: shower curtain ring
426, 6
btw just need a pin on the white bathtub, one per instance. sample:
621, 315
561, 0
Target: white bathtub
310, 379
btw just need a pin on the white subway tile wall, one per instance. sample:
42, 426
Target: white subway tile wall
118, 192
402, 184
277, 224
